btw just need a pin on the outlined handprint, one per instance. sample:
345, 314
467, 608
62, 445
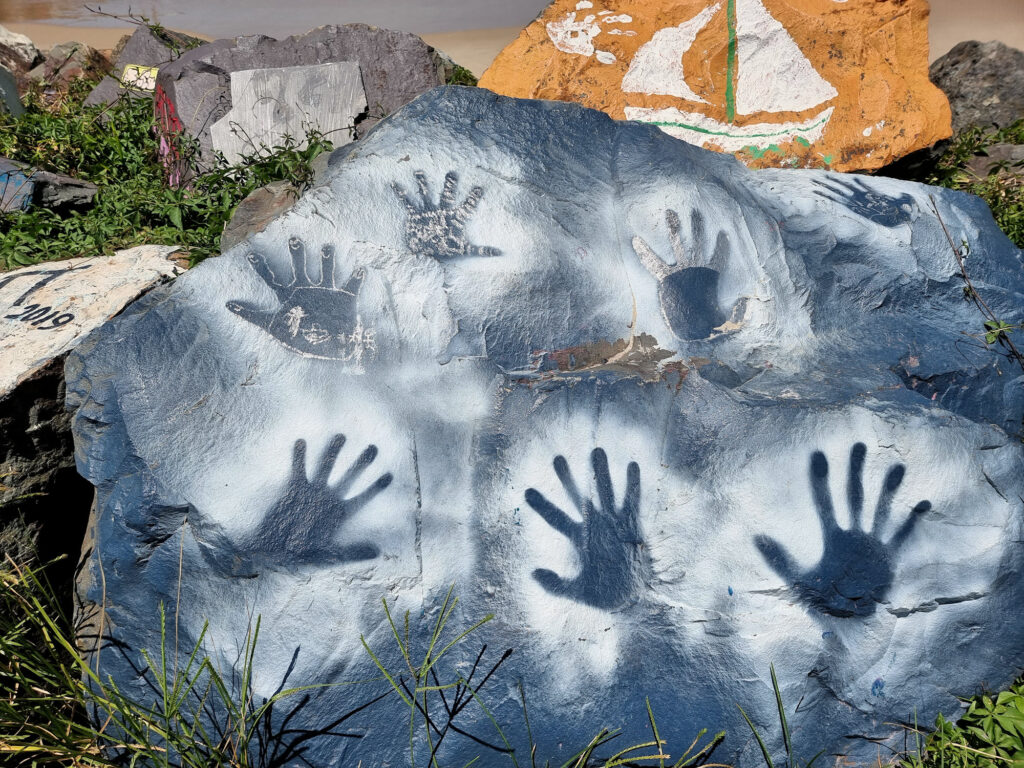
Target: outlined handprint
856, 568
316, 319
612, 560
688, 288
302, 527
440, 230
572, 35
866, 202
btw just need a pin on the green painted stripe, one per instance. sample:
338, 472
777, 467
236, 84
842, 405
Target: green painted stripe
730, 77
667, 124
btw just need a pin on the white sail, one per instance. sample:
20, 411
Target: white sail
657, 67
773, 73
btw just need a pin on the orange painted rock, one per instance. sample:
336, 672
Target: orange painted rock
839, 84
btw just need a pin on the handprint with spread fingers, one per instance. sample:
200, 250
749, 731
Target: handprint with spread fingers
439, 230
864, 201
315, 318
856, 569
303, 526
688, 288
613, 563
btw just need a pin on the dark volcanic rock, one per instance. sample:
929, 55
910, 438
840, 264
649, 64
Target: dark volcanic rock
984, 83
24, 187
668, 419
194, 91
141, 48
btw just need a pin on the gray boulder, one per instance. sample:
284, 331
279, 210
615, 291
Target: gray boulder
25, 187
9, 100
194, 91
668, 419
46, 310
17, 52
984, 83
66, 62
256, 211
142, 48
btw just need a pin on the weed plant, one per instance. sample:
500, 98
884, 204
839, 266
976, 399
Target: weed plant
115, 147
1002, 188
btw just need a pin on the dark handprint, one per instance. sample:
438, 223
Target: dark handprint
613, 564
440, 230
866, 202
318, 319
689, 293
856, 569
302, 526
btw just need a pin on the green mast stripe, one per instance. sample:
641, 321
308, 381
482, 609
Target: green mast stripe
730, 88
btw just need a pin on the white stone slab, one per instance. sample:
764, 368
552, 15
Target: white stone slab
46, 309
268, 104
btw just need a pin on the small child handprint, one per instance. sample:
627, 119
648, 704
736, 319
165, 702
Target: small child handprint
856, 569
440, 230
316, 319
613, 564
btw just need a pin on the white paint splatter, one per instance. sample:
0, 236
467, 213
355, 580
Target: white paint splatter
606, 57
584, 4
572, 36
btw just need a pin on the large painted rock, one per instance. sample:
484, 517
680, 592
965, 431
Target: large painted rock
45, 310
195, 92
668, 419
838, 84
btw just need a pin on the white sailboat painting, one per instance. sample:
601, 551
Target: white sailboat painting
767, 74
772, 76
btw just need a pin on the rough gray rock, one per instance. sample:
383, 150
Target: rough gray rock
668, 419
25, 187
141, 48
194, 91
17, 52
257, 210
9, 100
45, 310
998, 158
984, 83
68, 61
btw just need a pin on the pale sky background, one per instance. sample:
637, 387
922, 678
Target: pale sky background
471, 31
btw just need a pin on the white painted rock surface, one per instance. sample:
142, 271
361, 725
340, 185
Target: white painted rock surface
269, 104
669, 419
45, 310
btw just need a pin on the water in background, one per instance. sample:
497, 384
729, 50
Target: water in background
227, 18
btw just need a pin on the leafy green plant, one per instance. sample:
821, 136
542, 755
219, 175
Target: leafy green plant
115, 148
461, 76
1002, 188
990, 733
791, 759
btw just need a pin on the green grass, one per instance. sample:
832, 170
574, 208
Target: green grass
115, 148
57, 711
